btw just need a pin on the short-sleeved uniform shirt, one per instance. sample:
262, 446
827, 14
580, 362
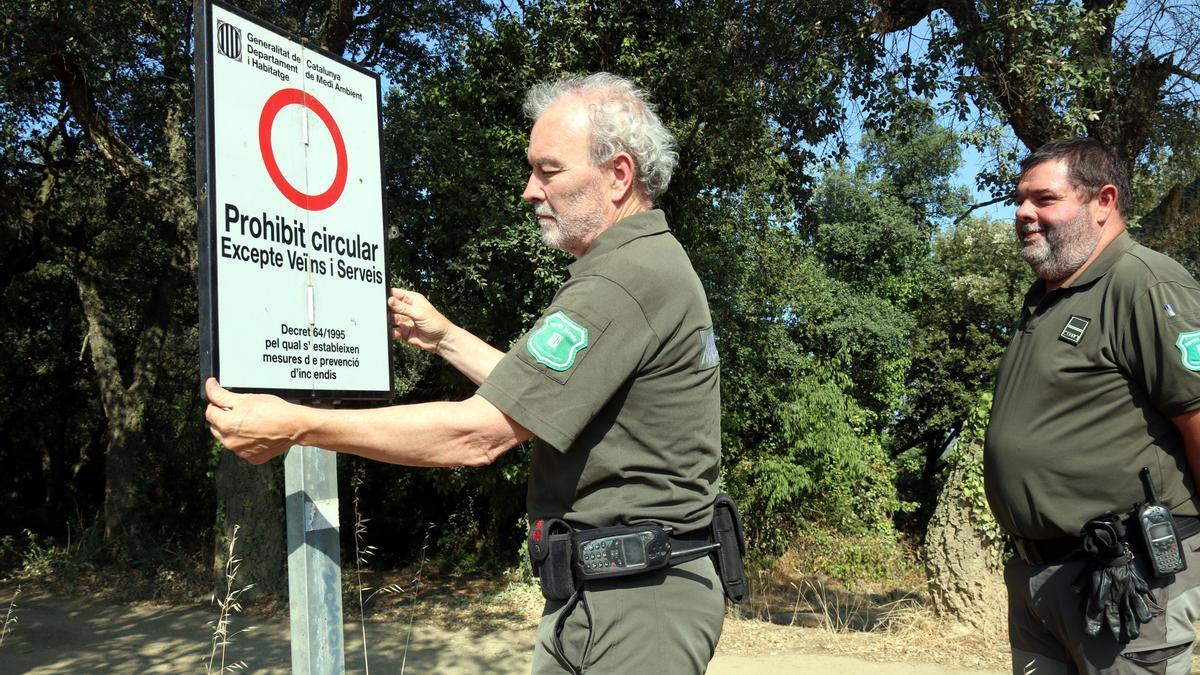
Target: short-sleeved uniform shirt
619, 383
1086, 391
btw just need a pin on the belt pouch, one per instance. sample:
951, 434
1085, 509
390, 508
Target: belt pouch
550, 554
727, 531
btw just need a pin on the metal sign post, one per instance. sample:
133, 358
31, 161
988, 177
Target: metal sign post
292, 268
314, 555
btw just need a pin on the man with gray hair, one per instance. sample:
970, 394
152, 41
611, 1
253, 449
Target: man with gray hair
618, 383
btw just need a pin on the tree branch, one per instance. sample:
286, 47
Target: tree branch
1185, 74
372, 15
337, 26
78, 95
898, 15
177, 204
980, 205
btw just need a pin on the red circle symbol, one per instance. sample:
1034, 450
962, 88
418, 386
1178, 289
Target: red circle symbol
286, 97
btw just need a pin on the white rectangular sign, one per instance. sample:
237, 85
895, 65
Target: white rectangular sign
292, 247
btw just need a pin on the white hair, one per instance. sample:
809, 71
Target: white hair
622, 119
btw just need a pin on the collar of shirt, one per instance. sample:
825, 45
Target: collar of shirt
620, 233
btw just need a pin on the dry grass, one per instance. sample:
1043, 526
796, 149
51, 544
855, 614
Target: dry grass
787, 612
10, 616
915, 635
785, 616
222, 636
451, 602
791, 612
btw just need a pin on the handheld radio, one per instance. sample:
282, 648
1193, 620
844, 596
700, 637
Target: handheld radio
1159, 532
618, 551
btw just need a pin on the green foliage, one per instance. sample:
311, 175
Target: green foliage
1054, 50
861, 275
962, 330
827, 469
36, 556
859, 321
1032, 70
455, 149
855, 560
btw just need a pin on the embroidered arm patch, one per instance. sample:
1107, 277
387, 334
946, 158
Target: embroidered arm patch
557, 341
1189, 348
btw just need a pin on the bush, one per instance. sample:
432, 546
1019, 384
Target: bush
856, 561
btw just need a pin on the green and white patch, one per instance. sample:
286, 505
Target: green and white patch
1189, 347
558, 341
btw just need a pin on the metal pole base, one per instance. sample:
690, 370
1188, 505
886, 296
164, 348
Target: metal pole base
314, 561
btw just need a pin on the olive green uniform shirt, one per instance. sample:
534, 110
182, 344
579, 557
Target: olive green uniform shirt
619, 383
1086, 391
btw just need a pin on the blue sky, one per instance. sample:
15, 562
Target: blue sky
973, 163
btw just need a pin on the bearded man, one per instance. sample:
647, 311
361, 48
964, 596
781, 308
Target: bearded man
618, 382
1096, 418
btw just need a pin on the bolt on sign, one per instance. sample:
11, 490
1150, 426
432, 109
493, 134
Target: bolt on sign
293, 279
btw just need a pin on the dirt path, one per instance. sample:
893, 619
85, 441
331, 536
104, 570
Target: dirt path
55, 634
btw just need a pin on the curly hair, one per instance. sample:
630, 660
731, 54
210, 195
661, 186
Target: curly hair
622, 119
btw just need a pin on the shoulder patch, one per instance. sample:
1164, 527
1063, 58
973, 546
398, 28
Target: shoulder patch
709, 357
1189, 348
557, 341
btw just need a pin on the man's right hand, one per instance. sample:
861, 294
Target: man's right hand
256, 427
416, 321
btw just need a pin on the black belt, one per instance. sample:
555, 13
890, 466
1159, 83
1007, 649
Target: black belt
1062, 549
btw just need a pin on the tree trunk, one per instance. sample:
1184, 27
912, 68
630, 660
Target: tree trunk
124, 407
1173, 226
965, 579
249, 498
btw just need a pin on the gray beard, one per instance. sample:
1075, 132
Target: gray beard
568, 234
1063, 249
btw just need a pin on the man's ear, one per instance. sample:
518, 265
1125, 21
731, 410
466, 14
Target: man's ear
622, 173
1106, 203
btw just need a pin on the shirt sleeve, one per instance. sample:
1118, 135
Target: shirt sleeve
1162, 346
558, 376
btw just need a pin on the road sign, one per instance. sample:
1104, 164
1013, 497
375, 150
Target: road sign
293, 277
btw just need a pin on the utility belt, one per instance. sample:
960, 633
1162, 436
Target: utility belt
565, 558
1063, 549
1114, 593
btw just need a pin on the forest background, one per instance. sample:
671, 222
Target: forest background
860, 302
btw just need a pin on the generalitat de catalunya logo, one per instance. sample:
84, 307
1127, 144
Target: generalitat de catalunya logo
229, 40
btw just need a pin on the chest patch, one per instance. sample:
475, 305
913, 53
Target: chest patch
556, 343
1073, 331
1189, 347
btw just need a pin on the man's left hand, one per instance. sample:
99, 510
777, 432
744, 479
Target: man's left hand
256, 427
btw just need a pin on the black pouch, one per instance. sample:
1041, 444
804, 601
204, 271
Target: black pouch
727, 531
550, 554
